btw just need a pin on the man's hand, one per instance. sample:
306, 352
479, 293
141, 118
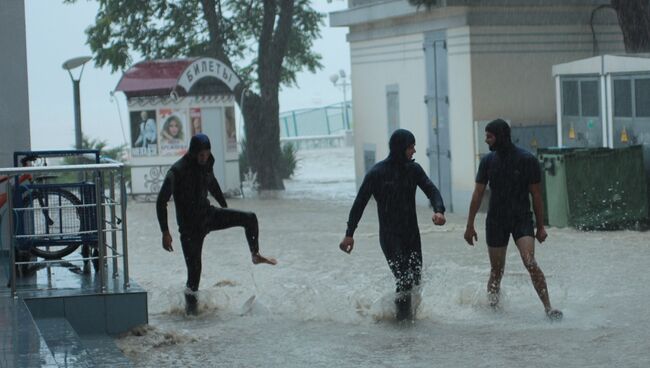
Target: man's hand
541, 234
470, 235
439, 218
258, 258
347, 244
167, 241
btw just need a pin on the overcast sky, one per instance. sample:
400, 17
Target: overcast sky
55, 33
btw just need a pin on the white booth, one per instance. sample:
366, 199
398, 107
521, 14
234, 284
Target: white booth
603, 101
169, 101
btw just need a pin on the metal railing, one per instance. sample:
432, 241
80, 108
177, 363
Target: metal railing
36, 222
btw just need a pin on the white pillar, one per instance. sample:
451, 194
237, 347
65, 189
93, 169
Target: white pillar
604, 110
609, 99
14, 106
558, 109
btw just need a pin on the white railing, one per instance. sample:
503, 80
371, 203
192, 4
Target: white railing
319, 141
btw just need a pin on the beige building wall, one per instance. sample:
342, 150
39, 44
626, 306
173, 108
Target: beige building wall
375, 65
499, 65
511, 68
461, 116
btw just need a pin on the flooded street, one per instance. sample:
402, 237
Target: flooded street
320, 307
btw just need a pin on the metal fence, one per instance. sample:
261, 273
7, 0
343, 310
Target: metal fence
328, 120
50, 221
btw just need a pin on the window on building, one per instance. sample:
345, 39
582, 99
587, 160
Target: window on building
589, 97
392, 105
570, 98
642, 97
623, 98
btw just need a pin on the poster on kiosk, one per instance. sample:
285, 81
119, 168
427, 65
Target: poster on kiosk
169, 101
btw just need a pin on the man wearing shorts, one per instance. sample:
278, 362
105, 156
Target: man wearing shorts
512, 174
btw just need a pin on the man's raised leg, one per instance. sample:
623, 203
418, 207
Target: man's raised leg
224, 218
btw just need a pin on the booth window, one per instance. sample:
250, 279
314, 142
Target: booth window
623, 98
589, 98
642, 97
570, 98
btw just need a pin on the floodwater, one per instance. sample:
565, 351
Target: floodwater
320, 307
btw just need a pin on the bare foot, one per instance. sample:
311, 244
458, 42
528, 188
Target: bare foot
554, 315
258, 258
493, 299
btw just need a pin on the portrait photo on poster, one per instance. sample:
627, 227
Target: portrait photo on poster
172, 135
231, 130
196, 124
144, 135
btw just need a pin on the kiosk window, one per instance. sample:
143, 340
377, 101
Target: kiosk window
570, 98
589, 98
623, 98
642, 97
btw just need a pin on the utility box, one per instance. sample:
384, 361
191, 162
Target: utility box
595, 188
556, 201
604, 101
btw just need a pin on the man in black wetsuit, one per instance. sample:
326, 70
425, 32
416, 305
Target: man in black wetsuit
392, 182
513, 174
189, 180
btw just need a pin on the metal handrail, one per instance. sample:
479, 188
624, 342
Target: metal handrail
59, 168
106, 216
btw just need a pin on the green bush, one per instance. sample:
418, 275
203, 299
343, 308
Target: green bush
287, 165
288, 161
115, 153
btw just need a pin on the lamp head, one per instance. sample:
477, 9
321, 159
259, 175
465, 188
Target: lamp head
75, 62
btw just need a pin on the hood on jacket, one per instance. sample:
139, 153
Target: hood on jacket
198, 143
399, 141
501, 131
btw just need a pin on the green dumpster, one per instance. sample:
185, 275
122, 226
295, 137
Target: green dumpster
595, 188
556, 202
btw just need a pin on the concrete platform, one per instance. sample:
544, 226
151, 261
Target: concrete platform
60, 318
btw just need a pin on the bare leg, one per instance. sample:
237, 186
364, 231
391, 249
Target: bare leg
526, 246
497, 265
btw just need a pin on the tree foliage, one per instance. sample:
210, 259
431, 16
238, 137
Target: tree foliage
266, 42
634, 19
165, 29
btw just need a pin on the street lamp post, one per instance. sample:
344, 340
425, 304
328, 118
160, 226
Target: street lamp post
343, 83
69, 65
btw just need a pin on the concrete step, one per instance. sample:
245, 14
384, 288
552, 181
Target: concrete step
64, 343
104, 351
70, 349
21, 344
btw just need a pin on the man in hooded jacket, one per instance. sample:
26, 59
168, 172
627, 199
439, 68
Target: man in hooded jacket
513, 174
189, 180
392, 182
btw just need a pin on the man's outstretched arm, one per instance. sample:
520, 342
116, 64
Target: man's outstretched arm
215, 190
435, 198
161, 210
477, 197
360, 202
